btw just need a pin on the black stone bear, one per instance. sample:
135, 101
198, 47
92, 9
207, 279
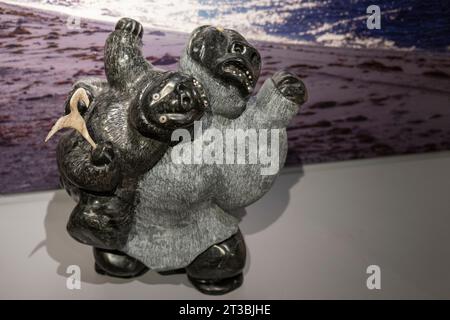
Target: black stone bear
126, 123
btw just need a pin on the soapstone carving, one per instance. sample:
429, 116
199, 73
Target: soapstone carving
139, 206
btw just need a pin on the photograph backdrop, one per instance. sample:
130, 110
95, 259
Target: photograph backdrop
372, 93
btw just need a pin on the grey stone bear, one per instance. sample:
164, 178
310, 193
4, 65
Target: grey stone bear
183, 218
139, 206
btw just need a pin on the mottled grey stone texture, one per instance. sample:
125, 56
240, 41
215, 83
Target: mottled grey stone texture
183, 208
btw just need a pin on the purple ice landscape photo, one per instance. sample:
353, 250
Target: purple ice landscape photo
372, 92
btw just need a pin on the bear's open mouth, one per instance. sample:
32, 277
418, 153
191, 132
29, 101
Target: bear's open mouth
239, 71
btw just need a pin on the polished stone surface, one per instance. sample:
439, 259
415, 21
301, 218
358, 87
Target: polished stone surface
117, 264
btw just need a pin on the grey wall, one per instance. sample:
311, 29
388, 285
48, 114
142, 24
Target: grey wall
312, 236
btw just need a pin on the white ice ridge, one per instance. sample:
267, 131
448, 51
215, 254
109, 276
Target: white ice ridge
251, 18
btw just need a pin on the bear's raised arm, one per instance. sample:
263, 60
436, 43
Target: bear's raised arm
124, 62
278, 101
274, 106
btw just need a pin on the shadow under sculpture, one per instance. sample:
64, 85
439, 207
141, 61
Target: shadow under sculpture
138, 207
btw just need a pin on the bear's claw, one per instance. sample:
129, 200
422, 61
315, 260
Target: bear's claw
290, 86
131, 26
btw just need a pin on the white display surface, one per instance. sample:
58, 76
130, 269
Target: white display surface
312, 236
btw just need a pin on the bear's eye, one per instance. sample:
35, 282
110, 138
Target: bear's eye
238, 48
163, 119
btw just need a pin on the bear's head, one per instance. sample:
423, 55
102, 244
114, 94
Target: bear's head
226, 63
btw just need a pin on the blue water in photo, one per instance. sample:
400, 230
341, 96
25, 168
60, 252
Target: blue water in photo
405, 24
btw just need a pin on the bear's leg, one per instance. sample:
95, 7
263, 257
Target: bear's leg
117, 264
100, 221
218, 270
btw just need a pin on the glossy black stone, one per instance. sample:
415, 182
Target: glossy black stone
290, 86
227, 55
218, 286
218, 270
101, 221
156, 113
117, 264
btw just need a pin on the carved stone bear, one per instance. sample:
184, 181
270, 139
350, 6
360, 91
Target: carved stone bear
126, 123
183, 217
177, 215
